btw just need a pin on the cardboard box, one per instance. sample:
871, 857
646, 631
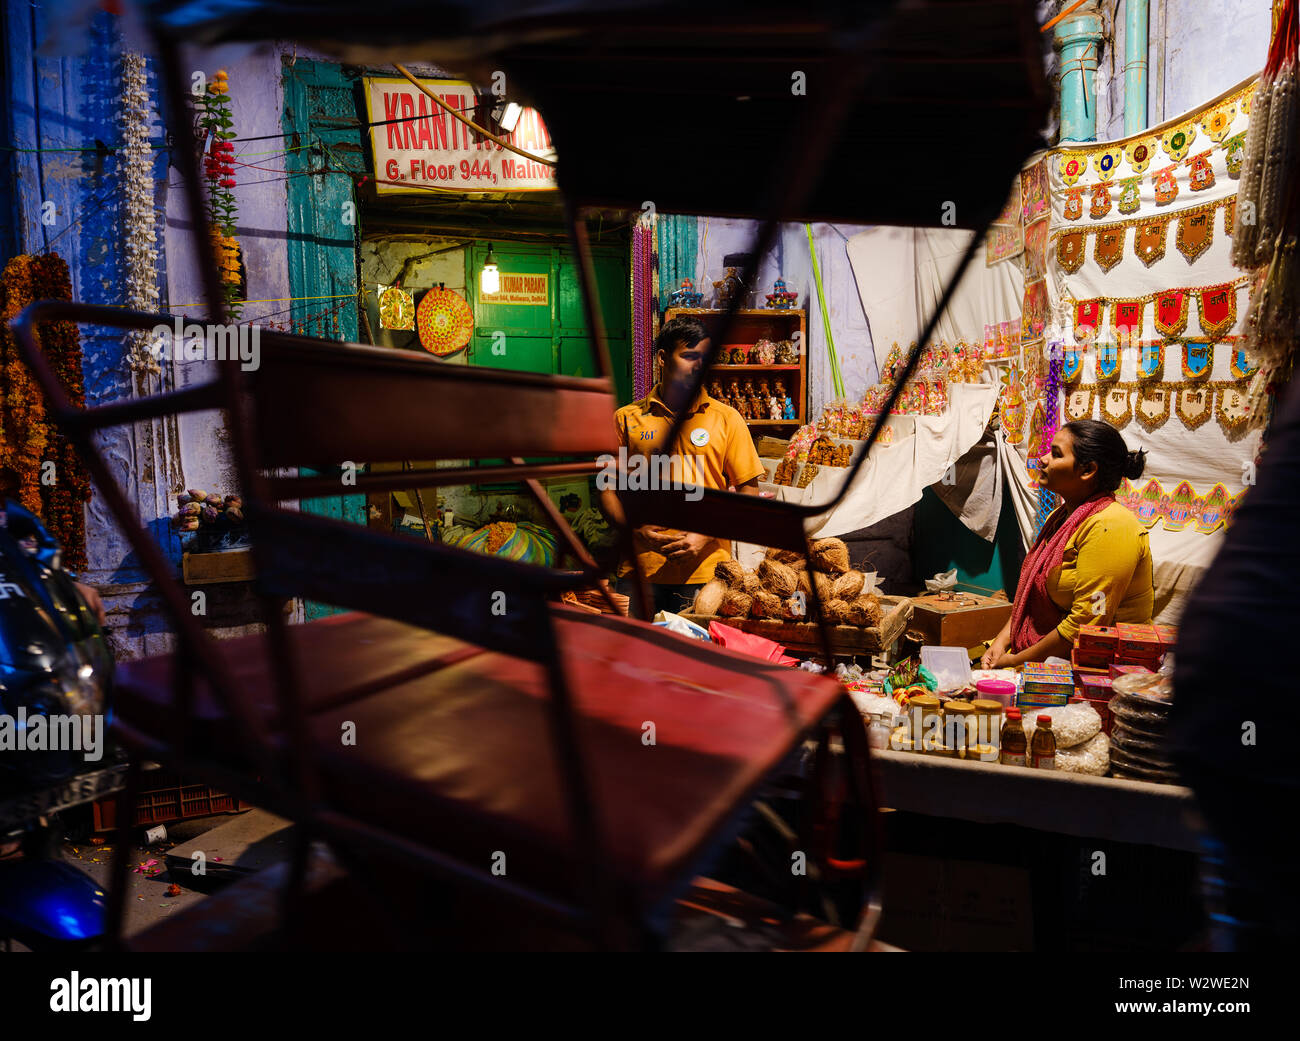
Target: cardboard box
1167, 635
1082, 658
1097, 638
953, 623
1138, 642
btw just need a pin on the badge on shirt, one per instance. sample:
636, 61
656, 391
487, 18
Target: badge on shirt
699, 437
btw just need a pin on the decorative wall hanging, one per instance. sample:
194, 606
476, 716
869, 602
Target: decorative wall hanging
1012, 406
1108, 363
1152, 408
1177, 141
1218, 121
1242, 368
139, 218
1127, 315
444, 321
1100, 205
1153, 505
1151, 362
1201, 176
1116, 405
1232, 406
1171, 312
1218, 309
1195, 233
1071, 363
1235, 150
1166, 185
1139, 153
1197, 360
1003, 242
1229, 215
1087, 315
1073, 204
1108, 250
1072, 167
1036, 250
396, 309
1105, 162
1217, 304
1078, 402
1130, 194
1149, 240
1069, 250
1033, 315
1194, 405
1035, 193
1036, 423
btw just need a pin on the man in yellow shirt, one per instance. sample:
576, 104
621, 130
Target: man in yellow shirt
715, 450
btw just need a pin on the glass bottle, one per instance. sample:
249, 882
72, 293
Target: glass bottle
1042, 750
1012, 742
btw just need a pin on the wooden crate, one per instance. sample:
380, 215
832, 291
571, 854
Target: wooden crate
232, 565
845, 639
946, 623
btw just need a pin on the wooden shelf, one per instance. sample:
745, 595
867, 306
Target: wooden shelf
795, 312
755, 368
774, 422
231, 565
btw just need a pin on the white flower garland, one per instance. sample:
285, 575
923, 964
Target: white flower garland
140, 221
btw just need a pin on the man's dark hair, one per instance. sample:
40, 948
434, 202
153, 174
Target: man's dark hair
680, 332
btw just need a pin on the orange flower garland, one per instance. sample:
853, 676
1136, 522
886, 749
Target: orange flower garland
26, 439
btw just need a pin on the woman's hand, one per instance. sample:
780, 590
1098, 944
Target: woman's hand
997, 651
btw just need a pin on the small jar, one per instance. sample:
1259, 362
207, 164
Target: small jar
988, 721
923, 709
901, 739
982, 753
878, 731
959, 722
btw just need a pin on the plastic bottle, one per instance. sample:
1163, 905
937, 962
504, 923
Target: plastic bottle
1042, 750
1012, 741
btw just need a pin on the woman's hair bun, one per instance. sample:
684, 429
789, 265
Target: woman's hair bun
1134, 464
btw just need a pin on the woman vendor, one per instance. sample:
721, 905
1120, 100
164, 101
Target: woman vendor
1091, 564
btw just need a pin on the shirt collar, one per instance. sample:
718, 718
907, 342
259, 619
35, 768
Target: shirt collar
701, 403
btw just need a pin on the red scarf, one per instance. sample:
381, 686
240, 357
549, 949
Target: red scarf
1034, 614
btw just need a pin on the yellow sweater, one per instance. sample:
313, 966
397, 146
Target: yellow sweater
1105, 574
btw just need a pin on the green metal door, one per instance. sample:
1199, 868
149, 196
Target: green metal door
320, 119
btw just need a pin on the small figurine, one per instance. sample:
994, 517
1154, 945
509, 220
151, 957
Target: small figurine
787, 353
686, 295
749, 398
787, 406
715, 391
781, 298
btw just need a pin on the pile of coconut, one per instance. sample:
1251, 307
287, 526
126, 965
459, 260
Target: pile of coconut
781, 588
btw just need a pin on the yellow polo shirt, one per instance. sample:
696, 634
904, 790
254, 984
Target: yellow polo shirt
719, 453
1105, 574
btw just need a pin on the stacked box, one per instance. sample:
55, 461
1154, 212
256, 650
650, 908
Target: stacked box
1096, 690
1094, 647
1139, 645
1168, 636
1044, 685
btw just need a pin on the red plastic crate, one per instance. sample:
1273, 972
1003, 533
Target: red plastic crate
168, 798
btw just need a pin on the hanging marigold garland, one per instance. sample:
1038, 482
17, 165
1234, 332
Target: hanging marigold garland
27, 442
139, 218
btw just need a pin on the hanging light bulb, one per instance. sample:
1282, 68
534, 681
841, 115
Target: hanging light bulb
490, 278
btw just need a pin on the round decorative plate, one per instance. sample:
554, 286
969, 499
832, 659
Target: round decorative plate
396, 309
444, 321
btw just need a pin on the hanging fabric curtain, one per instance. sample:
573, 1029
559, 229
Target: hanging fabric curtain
677, 248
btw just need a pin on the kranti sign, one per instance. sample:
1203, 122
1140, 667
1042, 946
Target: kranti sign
429, 148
